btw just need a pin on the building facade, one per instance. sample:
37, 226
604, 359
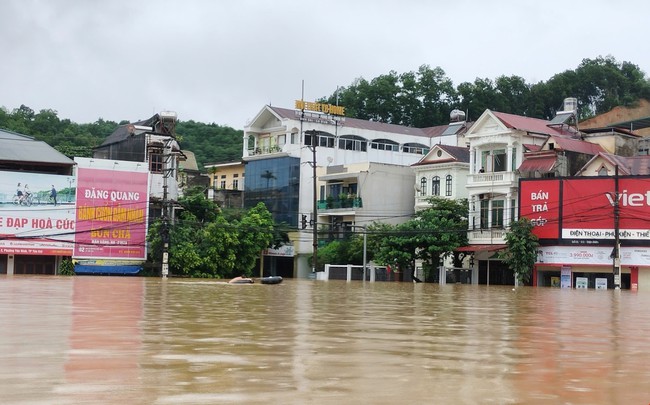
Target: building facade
37, 194
334, 171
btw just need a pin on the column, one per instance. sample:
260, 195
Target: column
509, 160
472, 159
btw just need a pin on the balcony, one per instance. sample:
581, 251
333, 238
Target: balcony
492, 179
264, 151
341, 203
487, 236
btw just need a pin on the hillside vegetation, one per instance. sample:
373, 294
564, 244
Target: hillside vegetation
418, 99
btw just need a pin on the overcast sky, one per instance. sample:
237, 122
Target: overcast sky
221, 61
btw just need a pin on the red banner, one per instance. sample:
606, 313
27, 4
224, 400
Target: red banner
587, 208
111, 214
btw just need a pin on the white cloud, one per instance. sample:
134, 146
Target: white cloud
221, 61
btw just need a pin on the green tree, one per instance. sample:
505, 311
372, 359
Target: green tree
432, 235
205, 243
521, 254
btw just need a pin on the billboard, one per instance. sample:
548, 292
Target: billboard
581, 210
37, 213
112, 208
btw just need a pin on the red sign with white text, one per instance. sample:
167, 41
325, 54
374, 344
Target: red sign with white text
539, 201
588, 208
111, 216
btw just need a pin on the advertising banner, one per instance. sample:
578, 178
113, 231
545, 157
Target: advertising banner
582, 210
112, 209
540, 202
37, 213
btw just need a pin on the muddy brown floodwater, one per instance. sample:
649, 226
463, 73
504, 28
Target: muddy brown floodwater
122, 340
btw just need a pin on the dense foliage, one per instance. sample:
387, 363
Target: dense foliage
204, 242
419, 99
426, 97
431, 235
521, 254
209, 142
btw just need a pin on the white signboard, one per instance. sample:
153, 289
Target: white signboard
601, 284
593, 255
582, 282
565, 277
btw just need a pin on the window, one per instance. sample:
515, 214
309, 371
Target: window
423, 186
156, 163
485, 213
349, 142
384, 144
494, 160
415, 148
497, 213
448, 185
282, 139
323, 139
235, 184
435, 185
602, 171
223, 184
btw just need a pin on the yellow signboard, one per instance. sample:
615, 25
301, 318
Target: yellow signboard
319, 107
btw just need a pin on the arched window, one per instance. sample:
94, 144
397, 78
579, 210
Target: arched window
384, 144
423, 186
435, 185
448, 185
353, 142
417, 148
321, 139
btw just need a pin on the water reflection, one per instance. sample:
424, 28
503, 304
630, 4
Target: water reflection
149, 341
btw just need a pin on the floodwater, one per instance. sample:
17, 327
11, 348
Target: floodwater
119, 340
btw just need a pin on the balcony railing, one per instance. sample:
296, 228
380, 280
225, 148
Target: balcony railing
331, 204
487, 236
264, 151
481, 179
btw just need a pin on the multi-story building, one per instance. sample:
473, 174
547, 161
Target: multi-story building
498, 143
336, 171
152, 142
226, 183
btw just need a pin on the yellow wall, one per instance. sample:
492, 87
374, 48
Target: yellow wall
227, 173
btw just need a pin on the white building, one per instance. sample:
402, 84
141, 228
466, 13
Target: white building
368, 163
497, 144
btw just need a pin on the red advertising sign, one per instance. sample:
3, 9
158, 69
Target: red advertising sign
588, 208
111, 216
540, 202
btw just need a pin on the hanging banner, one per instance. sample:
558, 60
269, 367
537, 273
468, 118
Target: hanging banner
112, 209
37, 213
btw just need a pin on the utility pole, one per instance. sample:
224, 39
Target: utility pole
165, 209
617, 248
314, 260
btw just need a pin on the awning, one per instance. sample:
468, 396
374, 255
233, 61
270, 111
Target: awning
106, 270
542, 164
481, 248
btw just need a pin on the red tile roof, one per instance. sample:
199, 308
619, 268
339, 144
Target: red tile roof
528, 124
575, 145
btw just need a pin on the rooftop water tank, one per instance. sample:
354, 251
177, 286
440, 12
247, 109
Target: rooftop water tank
570, 104
456, 116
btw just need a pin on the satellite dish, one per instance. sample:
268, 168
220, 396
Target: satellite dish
417, 188
330, 160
